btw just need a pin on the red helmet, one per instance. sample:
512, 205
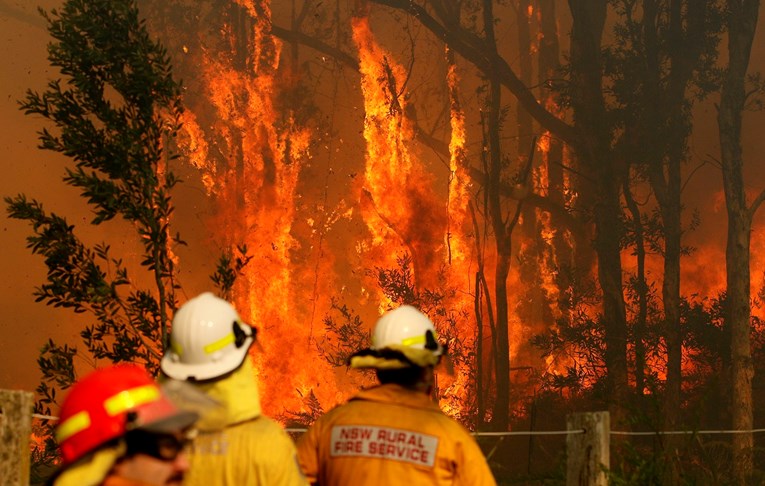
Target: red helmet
109, 402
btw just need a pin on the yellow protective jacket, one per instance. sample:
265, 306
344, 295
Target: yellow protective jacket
391, 435
243, 447
91, 470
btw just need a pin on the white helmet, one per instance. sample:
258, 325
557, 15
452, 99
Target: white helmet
406, 326
402, 331
208, 340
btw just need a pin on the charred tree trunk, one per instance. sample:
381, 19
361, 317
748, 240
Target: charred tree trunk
608, 223
641, 290
742, 22
687, 26
670, 289
500, 415
480, 402
595, 155
738, 321
525, 121
664, 177
482, 301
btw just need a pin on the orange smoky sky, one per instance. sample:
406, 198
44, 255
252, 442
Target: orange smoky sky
28, 325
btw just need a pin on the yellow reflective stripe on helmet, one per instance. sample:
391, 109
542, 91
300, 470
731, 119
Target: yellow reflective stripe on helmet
132, 398
219, 344
176, 347
413, 340
76, 423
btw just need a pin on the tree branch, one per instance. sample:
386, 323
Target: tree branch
439, 146
756, 204
292, 36
485, 58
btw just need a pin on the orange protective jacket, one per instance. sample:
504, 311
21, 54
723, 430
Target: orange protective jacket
391, 435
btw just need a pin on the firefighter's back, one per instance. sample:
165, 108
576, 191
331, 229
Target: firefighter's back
391, 435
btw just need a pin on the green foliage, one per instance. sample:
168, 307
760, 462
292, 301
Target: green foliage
114, 113
344, 335
637, 468
700, 460
303, 418
755, 92
576, 341
662, 60
229, 267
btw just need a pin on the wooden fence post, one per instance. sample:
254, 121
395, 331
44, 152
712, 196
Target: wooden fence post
588, 456
15, 429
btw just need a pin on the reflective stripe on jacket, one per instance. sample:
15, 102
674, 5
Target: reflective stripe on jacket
391, 435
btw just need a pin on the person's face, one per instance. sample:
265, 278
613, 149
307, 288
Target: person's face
150, 470
165, 465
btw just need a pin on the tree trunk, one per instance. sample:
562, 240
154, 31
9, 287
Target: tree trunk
607, 221
595, 155
738, 317
641, 289
670, 213
500, 413
742, 22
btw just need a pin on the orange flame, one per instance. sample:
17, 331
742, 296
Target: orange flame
399, 205
255, 194
397, 201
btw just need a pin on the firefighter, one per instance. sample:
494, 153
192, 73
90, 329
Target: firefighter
118, 428
209, 346
394, 433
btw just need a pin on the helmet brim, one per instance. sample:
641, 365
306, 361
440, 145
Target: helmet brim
166, 416
179, 421
174, 368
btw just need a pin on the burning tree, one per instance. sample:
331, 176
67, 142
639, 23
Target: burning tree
599, 137
394, 172
245, 130
613, 122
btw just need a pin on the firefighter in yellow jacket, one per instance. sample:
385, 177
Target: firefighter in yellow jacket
394, 433
209, 347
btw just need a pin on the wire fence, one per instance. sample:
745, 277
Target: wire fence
300, 430
582, 431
